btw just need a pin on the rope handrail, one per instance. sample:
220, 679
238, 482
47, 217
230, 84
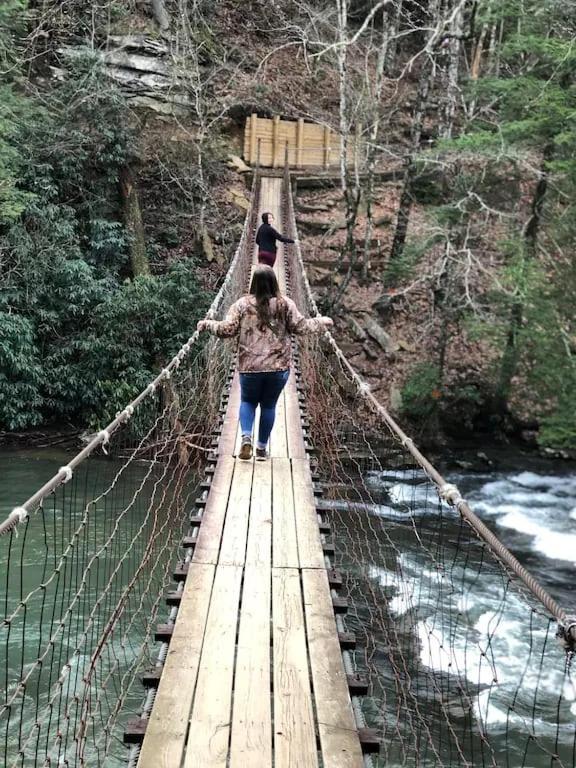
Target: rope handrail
20, 513
446, 491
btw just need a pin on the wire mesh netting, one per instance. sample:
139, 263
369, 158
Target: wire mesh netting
463, 665
84, 569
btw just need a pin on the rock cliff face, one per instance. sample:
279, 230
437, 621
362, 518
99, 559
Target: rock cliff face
144, 68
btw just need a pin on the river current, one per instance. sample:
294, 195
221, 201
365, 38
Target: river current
532, 512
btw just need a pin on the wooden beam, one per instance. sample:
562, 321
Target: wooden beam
299, 142
294, 732
275, 146
337, 726
252, 713
210, 533
253, 138
166, 732
210, 718
284, 542
327, 139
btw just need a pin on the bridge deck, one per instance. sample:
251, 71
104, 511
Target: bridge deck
254, 674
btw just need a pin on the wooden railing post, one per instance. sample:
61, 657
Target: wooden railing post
327, 139
299, 142
253, 137
275, 147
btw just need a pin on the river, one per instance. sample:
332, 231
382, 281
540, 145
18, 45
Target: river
534, 514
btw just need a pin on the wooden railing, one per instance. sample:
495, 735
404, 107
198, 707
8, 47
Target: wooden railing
270, 142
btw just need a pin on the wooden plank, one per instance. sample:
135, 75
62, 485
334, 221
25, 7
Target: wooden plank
294, 733
275, 141
259, 547
307, 532
233, 549
210, 719
252, 714
208, 543
227, 441
299, 142
294, 435
279, 443
284, 542
326, 147
336, 723
165, 737
253, 138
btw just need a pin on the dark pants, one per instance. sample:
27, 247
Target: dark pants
260, 389
266, 257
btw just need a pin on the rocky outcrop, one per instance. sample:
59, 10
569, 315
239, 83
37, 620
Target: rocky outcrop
143, 68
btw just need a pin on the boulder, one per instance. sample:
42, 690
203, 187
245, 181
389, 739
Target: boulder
370, 352
385, 304
376, 332
237, 164
357, 330
382, 221
315, 207
404, 345
319, 227
239, 199
208, 247
396, 402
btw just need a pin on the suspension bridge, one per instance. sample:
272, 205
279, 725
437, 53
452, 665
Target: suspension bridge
340, 605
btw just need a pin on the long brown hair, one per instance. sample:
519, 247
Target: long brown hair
264, 286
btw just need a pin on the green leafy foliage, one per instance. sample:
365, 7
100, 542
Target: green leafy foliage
78, 338
421, 393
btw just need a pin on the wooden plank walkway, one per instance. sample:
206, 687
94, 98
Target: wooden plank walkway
254, 674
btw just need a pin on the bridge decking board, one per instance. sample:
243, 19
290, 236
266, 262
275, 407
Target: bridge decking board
336, 723
252, 712
167, 728
259, 568
285, 545
279, 442
309, 542
230, 428
208, 737
258, 550
294, 434
294, 729
234, 536
207, 546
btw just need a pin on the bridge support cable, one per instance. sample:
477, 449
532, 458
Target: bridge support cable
86, 560
455, 636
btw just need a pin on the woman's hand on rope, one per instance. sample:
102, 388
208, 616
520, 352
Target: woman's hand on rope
327, 322
202, 325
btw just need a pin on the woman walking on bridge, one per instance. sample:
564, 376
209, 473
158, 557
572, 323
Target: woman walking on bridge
266, 238
263, 322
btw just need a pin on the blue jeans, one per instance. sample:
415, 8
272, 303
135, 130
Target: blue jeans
260, 389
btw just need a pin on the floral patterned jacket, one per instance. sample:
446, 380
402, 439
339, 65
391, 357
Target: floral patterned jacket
268, 349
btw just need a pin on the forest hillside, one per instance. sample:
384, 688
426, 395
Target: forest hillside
444, 251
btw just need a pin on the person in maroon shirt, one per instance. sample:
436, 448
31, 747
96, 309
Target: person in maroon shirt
266, 238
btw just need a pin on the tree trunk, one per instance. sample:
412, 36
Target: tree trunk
133, 219
426, 75
406, 197
161, 14
453, 72
393, 22
351, 196
375, 97
511, 353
